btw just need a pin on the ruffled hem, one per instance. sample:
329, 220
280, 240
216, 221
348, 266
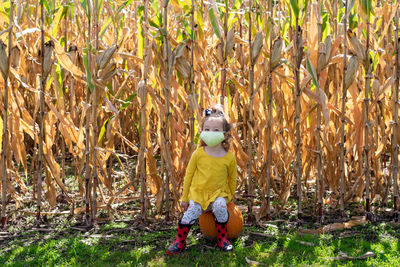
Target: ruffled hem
205, 202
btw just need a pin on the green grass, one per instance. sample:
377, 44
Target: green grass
112, 247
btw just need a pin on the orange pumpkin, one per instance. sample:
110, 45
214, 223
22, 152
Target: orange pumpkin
235, 223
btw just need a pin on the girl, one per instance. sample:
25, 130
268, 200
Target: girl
210, 180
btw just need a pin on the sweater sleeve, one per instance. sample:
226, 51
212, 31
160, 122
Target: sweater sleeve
232, 176
191, 168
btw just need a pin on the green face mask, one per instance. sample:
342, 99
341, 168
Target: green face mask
212, 138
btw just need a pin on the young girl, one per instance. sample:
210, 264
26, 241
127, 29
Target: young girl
210, 180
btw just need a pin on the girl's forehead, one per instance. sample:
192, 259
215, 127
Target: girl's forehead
213, 122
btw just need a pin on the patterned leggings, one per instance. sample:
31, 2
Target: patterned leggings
194, 211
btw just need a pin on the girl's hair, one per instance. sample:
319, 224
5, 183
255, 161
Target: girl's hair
217, 112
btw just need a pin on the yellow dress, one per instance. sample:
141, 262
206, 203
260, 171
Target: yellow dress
208, 177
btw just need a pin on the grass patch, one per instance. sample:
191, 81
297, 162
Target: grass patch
111, 246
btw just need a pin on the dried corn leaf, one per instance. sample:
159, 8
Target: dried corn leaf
335, 226
65, 61
344, 256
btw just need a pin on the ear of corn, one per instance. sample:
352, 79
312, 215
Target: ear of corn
183, 67
3, 59
105, 57
321, 57
230, 41
256, 46
106, 73
219, 54
328, 48
181, 63
48, 57
276, 52
325, 53
351, 71
15, 57
356, 45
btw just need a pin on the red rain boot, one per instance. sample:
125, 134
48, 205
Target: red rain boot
180, 241
222, 235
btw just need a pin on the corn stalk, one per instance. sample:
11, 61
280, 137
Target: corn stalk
343, 116
319, 190
167, 142
298, 50
250, 189
72, 52
395, 146
367, 124
269, 123
143, 92
94, 115
5, 67
63, 103
88, 218
41, 118
191, 78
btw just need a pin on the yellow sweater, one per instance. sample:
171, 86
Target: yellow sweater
208, 177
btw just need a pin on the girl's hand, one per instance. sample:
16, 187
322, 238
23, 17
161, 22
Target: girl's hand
184, 205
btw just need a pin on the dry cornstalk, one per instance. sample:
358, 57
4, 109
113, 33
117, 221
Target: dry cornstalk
269, 123
41, 118
191, 78
167, 146
250, 189
319, 190
255, 51
143, 94
94, 113
298, 50
395, 146
5, 66
88, 218
63, 103
367, 124
343, 116
72, 52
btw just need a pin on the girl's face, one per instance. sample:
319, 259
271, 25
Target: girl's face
214, 125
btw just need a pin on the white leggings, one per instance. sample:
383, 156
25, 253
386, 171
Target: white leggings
194, 211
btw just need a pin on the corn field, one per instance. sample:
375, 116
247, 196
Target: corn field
114, 91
